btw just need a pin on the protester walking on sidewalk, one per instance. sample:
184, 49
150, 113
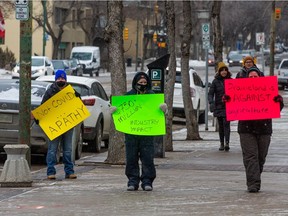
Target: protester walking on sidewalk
65, 139
255, 137
140, 146
217, 106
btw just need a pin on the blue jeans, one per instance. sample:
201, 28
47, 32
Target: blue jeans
140, 147
66, 141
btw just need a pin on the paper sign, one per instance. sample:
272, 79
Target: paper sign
139, 114
60, 113
252, 98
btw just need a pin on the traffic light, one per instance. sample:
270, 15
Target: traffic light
126, 34
155, 37
156, 8
277, 13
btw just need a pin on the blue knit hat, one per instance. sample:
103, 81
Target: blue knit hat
60, 73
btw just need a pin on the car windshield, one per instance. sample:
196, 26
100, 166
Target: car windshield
82, 55
8, 91
81, 89
236, 57
37, 62
284, 65
73, 63
58, 64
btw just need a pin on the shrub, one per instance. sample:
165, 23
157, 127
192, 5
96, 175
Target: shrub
7, 57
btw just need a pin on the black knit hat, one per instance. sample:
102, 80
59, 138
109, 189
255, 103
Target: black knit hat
255, 69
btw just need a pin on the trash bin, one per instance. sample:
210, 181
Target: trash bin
129, 62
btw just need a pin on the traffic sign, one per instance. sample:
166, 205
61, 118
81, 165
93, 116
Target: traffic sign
21, 2
205, 29
22, 12
206, 38
206, 44
260, 38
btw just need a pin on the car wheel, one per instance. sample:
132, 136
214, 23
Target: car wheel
201, 119
95, 144
91, 74
79, 146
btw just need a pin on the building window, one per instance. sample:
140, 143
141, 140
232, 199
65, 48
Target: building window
59, 15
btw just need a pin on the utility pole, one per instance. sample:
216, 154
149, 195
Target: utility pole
25, 81
272, 39
137, 37
44, 2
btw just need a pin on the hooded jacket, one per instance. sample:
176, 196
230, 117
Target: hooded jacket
134, 83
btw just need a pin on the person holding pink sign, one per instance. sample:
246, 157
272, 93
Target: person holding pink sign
217, 106
255, 137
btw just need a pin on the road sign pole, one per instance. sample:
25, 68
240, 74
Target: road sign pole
25, 82
206, 90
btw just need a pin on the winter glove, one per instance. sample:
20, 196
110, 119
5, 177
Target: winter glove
36, 121
278, 98
77, 94
163, 107
226, 98
212, 107
113, 109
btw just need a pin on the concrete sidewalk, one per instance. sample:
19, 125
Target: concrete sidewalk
194, 179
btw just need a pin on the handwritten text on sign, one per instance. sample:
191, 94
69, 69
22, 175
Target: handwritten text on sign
139, 114
252, 98
60, 113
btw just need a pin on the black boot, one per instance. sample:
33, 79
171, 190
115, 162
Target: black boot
226, 147
221, 148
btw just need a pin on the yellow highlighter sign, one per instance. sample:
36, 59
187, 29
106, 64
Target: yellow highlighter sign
60, 113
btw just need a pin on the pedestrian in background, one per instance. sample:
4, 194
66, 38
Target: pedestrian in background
218, 107
140, 146
65, 139
248, 62
255, 137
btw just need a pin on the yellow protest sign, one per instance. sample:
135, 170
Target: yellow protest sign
60, 113
139, 114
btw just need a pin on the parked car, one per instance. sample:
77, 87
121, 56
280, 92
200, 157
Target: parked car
236, 60
211, 60
283, 74
62, 65
40, 66
9, 118
197, 90
93, 95
76, 66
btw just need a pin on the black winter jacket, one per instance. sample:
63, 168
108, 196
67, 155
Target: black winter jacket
215, 94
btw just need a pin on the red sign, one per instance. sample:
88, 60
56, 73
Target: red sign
252, 98
2, 28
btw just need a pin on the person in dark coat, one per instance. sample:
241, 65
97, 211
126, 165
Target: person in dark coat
255, 137
217, 106
65, 139
140, 146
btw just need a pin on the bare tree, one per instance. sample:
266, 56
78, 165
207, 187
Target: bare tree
217, 32
190, 112
56, 34
170, 80
114, 37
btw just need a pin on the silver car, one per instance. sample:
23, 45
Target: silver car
9, 118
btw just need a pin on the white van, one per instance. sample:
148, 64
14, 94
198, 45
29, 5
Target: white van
89, 56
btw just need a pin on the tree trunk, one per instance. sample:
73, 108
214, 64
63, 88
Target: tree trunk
190, 112
217, 30
170, 79
114, 36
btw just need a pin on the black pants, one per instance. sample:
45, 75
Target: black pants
254, 150
224, 129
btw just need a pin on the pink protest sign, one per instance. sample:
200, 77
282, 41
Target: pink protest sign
252, 98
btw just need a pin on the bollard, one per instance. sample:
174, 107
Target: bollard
16, 171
